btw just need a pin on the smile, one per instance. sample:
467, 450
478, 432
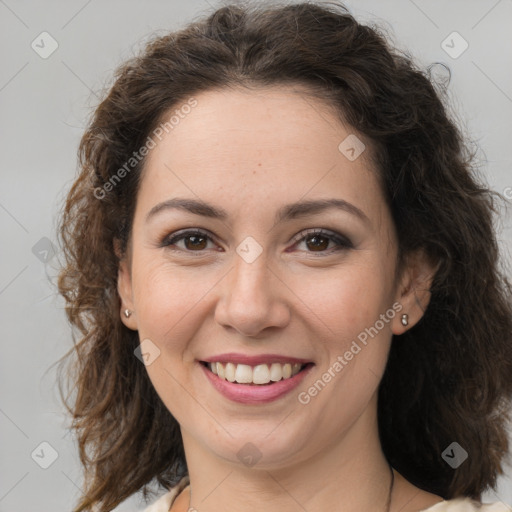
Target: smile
259, 374
263, 383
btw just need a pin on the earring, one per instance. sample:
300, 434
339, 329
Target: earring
127, 313
405, 320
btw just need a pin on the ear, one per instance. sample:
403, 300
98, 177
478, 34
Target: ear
413, 290
124, 287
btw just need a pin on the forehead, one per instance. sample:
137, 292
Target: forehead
259, 146
249, 120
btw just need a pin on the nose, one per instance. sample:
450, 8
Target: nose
253, 298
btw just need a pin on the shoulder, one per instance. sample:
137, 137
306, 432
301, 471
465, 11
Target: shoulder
468, 505
164, 503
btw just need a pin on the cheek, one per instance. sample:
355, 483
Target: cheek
349, 304
346, 300
165, 296
166, 301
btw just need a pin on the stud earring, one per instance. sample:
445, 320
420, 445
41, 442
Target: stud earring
127, 313
405, 320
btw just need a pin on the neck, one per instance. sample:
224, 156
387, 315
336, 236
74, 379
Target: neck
349, 474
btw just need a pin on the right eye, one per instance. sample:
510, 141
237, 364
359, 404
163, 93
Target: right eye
195, 240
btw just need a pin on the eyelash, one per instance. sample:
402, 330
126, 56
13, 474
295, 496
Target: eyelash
342, 242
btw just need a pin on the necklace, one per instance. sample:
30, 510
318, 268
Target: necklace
388, 505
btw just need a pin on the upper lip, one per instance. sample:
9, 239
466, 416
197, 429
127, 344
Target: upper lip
236, 358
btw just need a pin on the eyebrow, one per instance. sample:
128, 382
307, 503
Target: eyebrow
287, 212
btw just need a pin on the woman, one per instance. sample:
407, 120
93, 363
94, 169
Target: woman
285, 277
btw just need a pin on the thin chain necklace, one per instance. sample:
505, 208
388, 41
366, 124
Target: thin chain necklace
388, 506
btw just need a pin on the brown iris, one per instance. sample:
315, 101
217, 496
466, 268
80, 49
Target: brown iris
316, 244
195, 244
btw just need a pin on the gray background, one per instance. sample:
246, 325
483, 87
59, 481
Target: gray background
44, 107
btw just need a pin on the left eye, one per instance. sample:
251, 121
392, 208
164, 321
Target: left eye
316, 239
319, 239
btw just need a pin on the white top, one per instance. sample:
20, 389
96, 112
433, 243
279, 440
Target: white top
164, 503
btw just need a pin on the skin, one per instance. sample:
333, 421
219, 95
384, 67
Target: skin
250, 152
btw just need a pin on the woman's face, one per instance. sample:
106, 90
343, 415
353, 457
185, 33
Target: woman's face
256, 281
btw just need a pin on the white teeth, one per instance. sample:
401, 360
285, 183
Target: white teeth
220, 370
276, 373
229, 371
243, 374
259, 374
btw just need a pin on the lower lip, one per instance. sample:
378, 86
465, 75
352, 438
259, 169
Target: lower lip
256, 393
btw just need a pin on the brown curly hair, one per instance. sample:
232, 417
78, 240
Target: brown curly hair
447, 379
